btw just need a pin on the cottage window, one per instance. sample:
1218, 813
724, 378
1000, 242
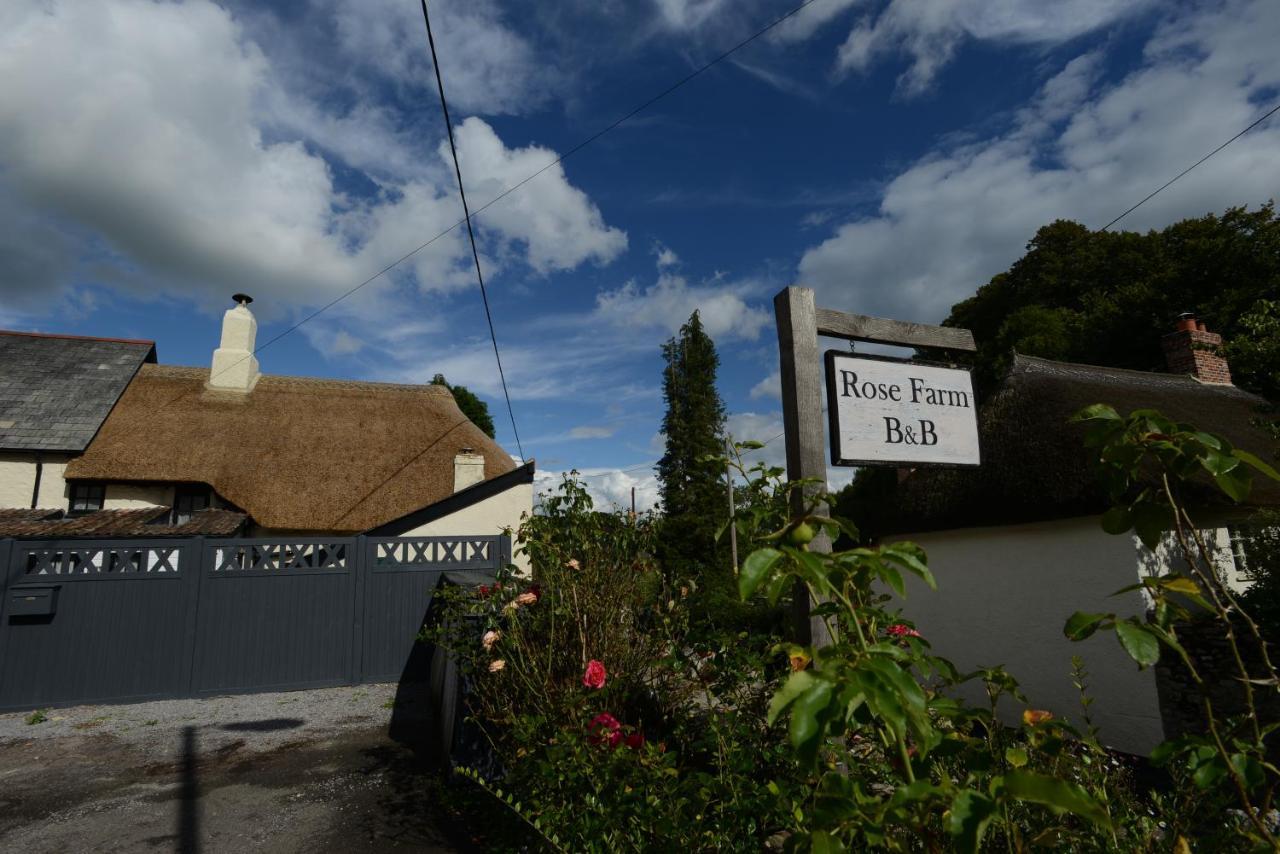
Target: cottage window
189, 500
86, 498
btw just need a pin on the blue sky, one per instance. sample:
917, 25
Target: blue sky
892, 154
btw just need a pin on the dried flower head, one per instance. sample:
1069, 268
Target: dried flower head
496, 665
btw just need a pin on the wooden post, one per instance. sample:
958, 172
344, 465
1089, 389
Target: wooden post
733, 528
801, 370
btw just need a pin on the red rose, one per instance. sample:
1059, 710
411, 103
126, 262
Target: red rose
635, 741
604, 727
901, 630
595, 675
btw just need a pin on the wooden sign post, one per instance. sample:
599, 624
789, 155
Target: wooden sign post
800, 322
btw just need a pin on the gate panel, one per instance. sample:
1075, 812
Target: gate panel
94, 621
401, 577
274, 615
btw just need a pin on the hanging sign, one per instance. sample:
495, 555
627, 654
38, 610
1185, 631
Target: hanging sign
895, 412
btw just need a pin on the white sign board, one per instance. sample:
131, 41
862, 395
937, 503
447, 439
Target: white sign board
890, 412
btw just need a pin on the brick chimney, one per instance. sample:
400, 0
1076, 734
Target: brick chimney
234, 366
1193, 349
468, 469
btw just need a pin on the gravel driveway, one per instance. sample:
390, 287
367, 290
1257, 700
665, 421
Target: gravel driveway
305, 770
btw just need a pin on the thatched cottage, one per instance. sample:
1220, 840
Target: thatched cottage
1017, 547
95, 435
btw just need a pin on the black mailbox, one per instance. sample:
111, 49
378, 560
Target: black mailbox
33, 601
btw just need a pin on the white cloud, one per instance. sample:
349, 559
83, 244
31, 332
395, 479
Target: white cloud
487, 66
559, 225
610, 489
957, 217
769, 387
590, 432
146, 137
668, 303
931, 31
687, 14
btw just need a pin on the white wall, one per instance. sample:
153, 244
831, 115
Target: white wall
489, 516
131, 496
1003, 597
18, 477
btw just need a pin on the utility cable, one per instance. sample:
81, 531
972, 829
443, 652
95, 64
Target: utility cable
471, 234
1266, 116
559, 159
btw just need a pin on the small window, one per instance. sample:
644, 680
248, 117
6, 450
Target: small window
86, 498
189, 500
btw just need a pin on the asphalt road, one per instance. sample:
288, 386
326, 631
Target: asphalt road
303, 771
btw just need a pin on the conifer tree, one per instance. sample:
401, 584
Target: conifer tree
692, 489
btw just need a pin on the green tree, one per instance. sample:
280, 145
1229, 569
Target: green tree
1107, 298
472, 407
691, 485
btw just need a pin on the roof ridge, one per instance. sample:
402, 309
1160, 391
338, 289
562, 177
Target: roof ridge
1025, 361
78, 337
289, 379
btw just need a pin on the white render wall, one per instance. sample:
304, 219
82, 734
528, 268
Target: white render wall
133, 496
490, 516
1003, 596
18, 478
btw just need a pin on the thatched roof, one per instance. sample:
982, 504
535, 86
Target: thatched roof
1034, 463
295, 453
136, 522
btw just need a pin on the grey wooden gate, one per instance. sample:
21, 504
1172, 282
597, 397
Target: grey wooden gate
122, 620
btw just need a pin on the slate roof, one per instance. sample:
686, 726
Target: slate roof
1034, 463
140, 522
56, 390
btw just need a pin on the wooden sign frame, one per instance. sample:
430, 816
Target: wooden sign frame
800, 322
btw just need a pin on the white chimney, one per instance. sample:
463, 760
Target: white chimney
234, 366
468, 469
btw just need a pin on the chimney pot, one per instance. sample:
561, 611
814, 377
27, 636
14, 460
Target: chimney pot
241, 299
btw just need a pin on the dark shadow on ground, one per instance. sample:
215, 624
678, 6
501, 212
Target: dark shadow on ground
264, 725
189, 796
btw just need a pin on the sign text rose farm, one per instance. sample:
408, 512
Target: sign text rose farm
889, 412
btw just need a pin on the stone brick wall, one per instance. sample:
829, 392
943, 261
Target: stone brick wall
1181, 706
1196, 352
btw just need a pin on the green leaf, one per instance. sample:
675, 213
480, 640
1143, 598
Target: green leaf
1150, 521
1217, 463
1117, 520
805, 729
893, 578
1096, 412
968, 818
1142, 645
1082, 624
795, 686
1057, 795
1257, 463
756, 569
1235, 483
821, 842
1015, 756
1179, 584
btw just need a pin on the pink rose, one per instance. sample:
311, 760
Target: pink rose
496, 665
572, 563
635, 741
595, 675
528, 598
490, 638
901, 630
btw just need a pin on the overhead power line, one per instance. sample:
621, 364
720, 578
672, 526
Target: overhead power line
1166, 184
559, 159
471, 234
